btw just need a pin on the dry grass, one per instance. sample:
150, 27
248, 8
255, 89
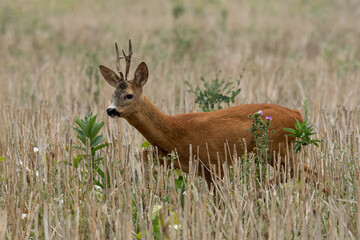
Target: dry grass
291, 51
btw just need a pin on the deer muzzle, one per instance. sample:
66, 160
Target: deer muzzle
112, 112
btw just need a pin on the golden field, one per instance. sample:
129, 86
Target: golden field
300, 54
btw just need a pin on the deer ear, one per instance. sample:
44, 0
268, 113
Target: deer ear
141, 74
110, 76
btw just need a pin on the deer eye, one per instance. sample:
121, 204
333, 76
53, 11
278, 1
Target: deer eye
129, 97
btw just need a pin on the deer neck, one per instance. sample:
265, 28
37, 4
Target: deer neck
156, 127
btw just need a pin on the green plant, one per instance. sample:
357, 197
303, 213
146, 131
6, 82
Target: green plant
215, 93
159, 222
245, 163
92, 144
180, 184
183, 38
261, 132
303, 131
179, 181
92, 72
145, 144
178, 10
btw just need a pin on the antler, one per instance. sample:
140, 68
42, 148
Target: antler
127, 60
118, 66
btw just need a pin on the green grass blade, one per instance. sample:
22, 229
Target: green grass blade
289, 130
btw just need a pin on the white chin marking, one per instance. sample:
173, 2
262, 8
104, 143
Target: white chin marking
112, 105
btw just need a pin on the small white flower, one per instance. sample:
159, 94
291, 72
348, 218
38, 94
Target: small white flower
98, 187
176, 226
184, 193
24, 215
36, 149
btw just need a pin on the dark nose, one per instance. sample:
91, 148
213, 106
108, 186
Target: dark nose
112, 112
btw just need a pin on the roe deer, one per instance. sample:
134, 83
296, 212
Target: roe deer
205, 131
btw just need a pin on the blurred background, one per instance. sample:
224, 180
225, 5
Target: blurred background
282, 52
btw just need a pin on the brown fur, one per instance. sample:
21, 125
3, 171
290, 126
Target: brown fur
207, 131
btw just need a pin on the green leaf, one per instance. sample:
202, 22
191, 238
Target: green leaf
178, 183
289, 130
226, 85
155, 211
77, 161
2, 159
91, 123
314, 141
156, 228
292, 135
95, 130
138, 236
297, 124
97, 141
100, 147
98, 160
78, 147
79, 131
83, 126
145, 144
297, 147
100, 172
82, 139
97, 183
175, 218
234, 94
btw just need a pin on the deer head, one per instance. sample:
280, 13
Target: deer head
128, 94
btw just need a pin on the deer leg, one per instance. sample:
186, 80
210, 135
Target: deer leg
149, 155
145, 155
206, 174
313, 177
277, 179
210, 174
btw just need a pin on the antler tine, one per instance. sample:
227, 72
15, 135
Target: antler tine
118, 57
128, 59
130, 48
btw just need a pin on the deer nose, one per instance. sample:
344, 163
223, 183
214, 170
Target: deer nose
112, 112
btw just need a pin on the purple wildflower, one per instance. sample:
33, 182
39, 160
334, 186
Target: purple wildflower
268, 118
260, 112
